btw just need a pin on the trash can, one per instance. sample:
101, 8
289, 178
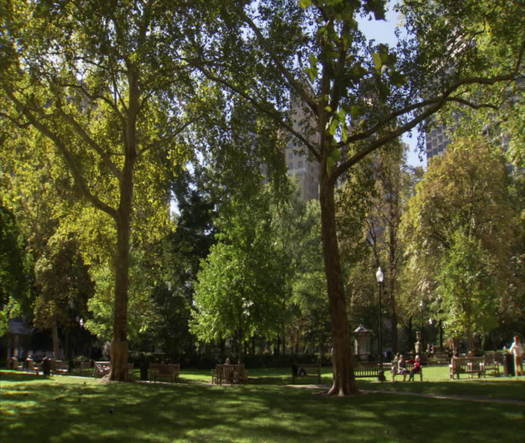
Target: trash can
508, 364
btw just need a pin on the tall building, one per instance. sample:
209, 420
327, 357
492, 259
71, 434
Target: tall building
301, 166
436, 141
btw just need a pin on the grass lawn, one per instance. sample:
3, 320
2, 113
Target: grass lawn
65, 408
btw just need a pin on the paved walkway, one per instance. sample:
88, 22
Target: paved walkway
417, 394
450, 397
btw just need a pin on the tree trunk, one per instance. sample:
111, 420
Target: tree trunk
393, 265
119, 344
394, 335
56, 341
343, 381
410, 339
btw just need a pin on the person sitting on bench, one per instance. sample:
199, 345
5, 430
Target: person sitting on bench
416, 369
402, 366
298, 371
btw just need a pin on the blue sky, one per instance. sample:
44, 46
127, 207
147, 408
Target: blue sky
383, 32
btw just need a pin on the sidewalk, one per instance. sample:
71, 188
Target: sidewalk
450, 397
416, 394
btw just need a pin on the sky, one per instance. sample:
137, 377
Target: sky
383, 32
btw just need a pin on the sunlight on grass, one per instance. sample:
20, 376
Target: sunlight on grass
67, 408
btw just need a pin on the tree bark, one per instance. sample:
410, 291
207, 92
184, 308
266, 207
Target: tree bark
343, 381
119, 344
56, 340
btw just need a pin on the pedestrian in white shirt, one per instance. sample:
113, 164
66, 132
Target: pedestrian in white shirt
517, 350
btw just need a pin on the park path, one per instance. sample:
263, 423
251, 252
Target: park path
450, 397
435, 396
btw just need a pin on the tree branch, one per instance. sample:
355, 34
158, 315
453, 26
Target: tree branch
268, 47
437, 103
270, 111
174, 134
66, 154
94, 97
472, 105
15, 121
94, 145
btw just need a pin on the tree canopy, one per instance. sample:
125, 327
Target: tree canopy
460, 231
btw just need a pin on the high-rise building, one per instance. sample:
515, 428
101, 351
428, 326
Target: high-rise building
436, 141
301, 166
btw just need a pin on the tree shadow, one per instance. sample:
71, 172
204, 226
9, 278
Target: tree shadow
69, 408
20, 376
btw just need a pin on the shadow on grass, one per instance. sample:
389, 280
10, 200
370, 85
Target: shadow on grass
20, 376
69, 408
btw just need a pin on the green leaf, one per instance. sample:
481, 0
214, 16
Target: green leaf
305, 3
344, 134
356, 111
356, 72
378, 60
397, 78
332, 127
312, 71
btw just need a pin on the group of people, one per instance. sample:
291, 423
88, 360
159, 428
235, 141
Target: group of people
400, 366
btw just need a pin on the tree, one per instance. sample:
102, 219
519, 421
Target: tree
182, 252
91, 78
356, 95
461, 220
14, 281
239, 292
393, 187
468, 288
64, 288
299, 238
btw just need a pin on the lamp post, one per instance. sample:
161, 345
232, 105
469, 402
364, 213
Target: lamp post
379, 278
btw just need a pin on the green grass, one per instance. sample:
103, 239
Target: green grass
64, 408
437, 382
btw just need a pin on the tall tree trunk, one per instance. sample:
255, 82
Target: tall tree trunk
410, 341
393, 265
343, 381
56, 340
119, 345
394, 335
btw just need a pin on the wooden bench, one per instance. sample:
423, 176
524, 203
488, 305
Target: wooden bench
56, 367
306, 370
59, 367
409, 367
467, 365
440, 358
371, 369
158, 371
491, 364
229, 374
103, 368
13, 363
84, 367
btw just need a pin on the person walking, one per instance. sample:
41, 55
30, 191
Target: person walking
516, 350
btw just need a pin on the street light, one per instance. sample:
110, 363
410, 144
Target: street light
379, 278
